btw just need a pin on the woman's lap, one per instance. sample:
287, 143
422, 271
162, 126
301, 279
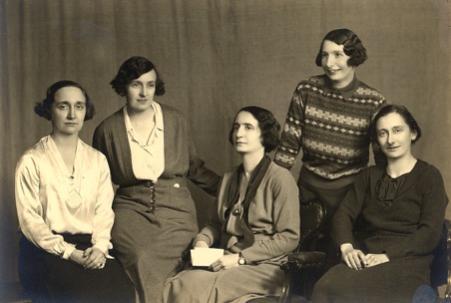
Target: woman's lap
199, 285
395, 281
50, 277
150, 248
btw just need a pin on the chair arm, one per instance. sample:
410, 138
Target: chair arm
305, 259
448, 242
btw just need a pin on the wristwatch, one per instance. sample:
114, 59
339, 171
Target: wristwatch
241, 260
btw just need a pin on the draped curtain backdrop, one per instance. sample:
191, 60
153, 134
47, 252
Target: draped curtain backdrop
215, 57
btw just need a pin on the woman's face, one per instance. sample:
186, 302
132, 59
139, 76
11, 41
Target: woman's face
68, 110
246, 133
394, 136
334, 62
140, 92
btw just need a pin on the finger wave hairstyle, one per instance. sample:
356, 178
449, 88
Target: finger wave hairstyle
44, 108
269, 126
131, 69
352, 46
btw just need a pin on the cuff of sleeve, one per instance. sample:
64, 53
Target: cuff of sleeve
103, 246
68, 250
249, 255
202, 237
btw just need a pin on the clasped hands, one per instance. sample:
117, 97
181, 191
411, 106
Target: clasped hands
356, 259
90, 258
225, 262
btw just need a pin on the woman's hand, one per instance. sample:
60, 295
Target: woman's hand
225, 262
78, 257
375, 259
201, 244
95, 258
354, 258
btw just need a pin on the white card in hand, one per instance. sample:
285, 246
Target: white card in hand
202, 256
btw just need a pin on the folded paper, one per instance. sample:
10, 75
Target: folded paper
201, 256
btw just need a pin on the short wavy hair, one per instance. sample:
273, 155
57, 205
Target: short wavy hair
403, 112
352, 46
131, 69
269, 126
44, 108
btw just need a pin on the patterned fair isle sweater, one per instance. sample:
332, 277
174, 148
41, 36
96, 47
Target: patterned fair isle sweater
331, 126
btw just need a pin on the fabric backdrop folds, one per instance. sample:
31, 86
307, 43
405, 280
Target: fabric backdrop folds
215, 57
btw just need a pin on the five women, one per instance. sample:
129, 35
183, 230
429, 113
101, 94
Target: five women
65, 202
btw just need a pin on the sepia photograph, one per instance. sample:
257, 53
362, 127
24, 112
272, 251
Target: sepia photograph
213, 151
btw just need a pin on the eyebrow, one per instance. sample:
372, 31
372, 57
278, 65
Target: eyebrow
67, 102
138, 81
245, 124
395, 126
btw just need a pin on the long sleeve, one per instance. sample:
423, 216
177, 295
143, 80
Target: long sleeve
379, 157
200, 175
210, 233
104, 215
30, 211
286, 221
345, 216
98, 140
290, 143
425, 238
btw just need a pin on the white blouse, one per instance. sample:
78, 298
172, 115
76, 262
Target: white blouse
49, 197
147, 155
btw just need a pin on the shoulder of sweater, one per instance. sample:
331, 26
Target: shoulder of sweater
317, 81
364, 90
280, 175
167, 109
428, 171
109, 121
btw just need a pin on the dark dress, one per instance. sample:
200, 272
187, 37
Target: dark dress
399, 217
155, 222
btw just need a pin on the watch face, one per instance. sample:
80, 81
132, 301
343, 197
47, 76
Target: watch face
241, 261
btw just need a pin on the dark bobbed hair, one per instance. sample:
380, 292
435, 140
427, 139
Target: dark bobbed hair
268, 125
131, 69
352, 46
403, 112
44, 108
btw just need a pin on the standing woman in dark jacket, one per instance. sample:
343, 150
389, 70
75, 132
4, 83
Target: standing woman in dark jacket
151, 155
389, 222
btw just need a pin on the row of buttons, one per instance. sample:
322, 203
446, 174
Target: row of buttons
151, 187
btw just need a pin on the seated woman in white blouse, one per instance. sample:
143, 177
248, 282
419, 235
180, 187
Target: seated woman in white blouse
63, 198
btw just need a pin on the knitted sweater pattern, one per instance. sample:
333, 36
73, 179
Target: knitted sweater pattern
330, 125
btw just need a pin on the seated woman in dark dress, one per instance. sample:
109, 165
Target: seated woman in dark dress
389, 222
63, 197
257, 222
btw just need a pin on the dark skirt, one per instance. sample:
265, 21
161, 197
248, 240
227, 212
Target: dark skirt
49, 278
392, 282
154, 225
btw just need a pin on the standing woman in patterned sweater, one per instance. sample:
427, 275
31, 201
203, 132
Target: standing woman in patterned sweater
328, 118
